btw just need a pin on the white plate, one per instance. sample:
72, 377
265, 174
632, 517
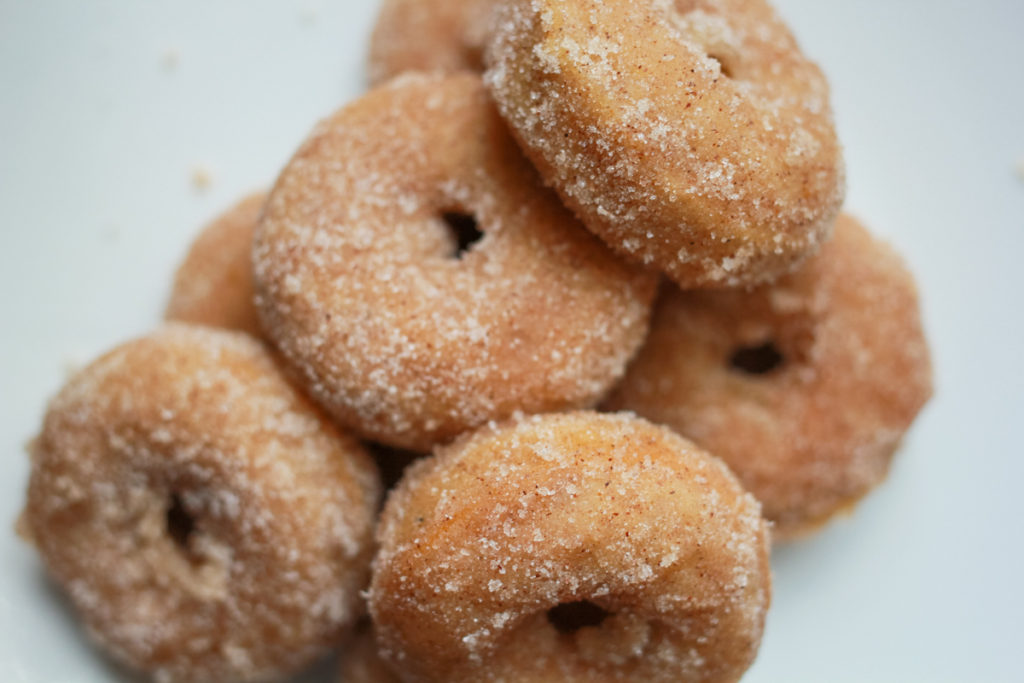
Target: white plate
108, 108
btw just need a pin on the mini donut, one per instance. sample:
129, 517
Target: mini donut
207, 523
691, 135
213, 285
429, 35
804, 388
420, 281
571, 547
361, 663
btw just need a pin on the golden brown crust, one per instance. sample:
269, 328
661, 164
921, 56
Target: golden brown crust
444, 36
400, 336
213, 285
813, 435
718, 180
207, 523
481, 540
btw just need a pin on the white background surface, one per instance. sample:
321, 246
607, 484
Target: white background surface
100, 133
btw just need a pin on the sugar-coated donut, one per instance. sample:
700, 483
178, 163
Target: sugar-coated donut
429, 35
207, 523
572, 547
804, 388
361, 662
213, 285
404, 321
692, 135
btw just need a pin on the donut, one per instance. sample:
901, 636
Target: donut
420, 281
360, 662
570, 547
213, 285
690, 135
428, 35
804, 388
204, 519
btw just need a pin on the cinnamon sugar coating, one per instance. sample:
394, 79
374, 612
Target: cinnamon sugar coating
403, 335
804, 388
690, 135
572, 547
204, 519
213, 286
428, 35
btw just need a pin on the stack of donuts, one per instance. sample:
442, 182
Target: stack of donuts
572, 278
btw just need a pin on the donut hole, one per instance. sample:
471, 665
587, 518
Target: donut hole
464, 228
180, 524
708, 32
757, 360
570, 617
202, 563
723, 65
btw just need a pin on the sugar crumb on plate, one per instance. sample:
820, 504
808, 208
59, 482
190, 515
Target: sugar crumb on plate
169, 59
202, 177
309, 14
